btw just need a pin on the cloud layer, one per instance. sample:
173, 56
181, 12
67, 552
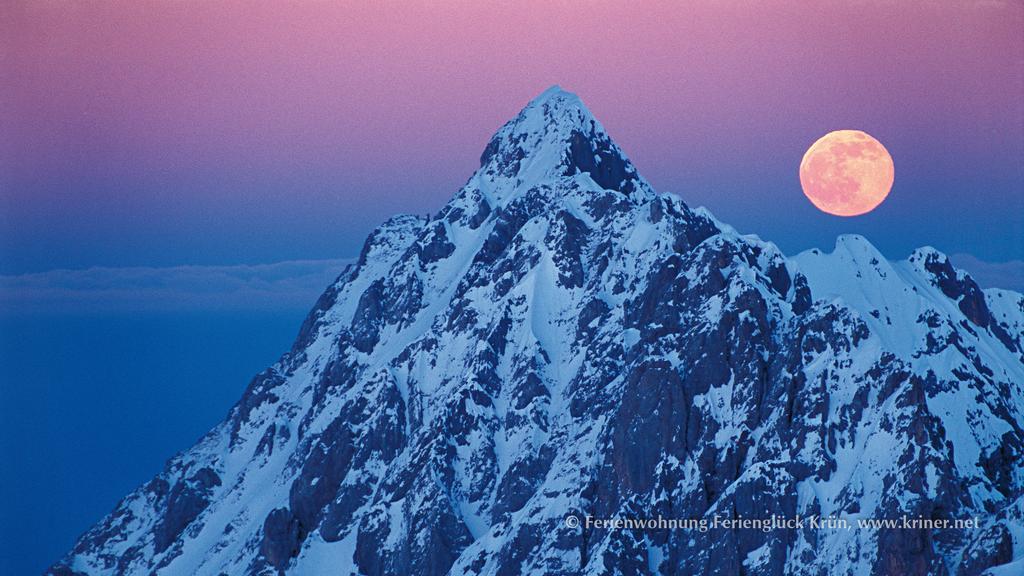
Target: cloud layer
287, 285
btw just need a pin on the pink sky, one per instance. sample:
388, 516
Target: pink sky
166, 116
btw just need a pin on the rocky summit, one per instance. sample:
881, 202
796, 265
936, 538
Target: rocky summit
559, 345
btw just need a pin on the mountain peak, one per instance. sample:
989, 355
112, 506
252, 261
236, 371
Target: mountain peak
556, 136
857, 247
556, 93
927, 254
559, 327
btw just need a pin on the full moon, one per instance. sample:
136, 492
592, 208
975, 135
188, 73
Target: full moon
846, 173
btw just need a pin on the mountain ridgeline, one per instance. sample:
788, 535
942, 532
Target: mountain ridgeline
562, 340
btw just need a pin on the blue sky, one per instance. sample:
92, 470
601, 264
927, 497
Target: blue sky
109, 372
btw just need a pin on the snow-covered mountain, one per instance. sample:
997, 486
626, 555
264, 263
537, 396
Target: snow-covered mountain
561, 340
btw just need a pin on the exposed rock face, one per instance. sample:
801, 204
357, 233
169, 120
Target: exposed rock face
559, 339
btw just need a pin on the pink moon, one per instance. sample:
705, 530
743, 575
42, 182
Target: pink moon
846, 173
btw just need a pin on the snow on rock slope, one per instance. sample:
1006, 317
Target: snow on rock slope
560, 339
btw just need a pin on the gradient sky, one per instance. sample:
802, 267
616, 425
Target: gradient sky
186, 132
203, 137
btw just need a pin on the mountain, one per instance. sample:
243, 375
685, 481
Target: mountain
560, 340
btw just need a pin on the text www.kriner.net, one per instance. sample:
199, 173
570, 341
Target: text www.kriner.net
771, 523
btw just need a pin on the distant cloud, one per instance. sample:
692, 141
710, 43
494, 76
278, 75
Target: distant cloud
1009, 275
292, 285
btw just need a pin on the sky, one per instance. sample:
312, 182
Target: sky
197, 133
180, 179
92, 405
